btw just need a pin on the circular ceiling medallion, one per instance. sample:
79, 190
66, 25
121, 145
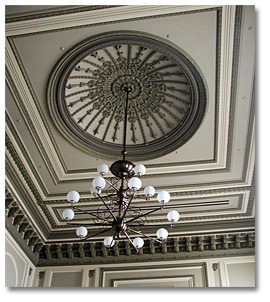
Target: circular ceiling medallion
87, 101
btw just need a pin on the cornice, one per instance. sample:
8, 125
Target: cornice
179, 248
26, 198
21, 229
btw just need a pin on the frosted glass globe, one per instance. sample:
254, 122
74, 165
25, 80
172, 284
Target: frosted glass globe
173, 216
149, 191
109, 242
73, 196
68, 214
162, 234
140, 169
138, 242
134, 183
99, 183
94, 191
103, 169
163, 197
81, 232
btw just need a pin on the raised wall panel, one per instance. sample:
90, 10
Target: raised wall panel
175, 275
185, 281
210, 272
66, 279
18, 268
241, 274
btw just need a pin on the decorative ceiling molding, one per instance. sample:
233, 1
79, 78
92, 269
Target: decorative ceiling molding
108, 15
197, 208
179, 248
61, 175
52, 221
183, 227
86, 97
226, 177
204, 245
29, 201
225, 220
21, 229
53, 224
17, 153
54, 11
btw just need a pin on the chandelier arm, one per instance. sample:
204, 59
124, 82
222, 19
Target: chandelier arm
110, 184
101, 232
130, 241
140, 233
111, 195
144, 214
128, 206
90, 213
115, 182
107, 207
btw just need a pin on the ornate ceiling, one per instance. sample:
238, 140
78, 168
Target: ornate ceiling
191, 120
87, 101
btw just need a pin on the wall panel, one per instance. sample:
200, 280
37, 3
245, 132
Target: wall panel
18, 268
211, 272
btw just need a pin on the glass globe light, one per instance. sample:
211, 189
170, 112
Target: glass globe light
103, 169
134, 183
81, 232
173, 216
162, 234
99, 183
94, 191
140, 169
73, 196
68, 214
109, 242
149, 191
138, 242
163, 197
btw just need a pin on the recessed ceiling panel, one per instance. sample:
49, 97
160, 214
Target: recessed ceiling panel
87, 97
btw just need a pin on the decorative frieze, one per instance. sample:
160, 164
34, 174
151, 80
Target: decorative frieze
19, 221
176, 245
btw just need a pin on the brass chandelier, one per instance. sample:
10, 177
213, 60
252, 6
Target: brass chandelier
113, 217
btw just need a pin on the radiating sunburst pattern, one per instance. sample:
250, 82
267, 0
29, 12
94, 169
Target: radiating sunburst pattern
86, 97
159, 101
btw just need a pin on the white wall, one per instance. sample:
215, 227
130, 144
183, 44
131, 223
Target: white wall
215, 272
17, 265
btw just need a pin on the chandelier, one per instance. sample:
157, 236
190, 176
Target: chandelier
119, 217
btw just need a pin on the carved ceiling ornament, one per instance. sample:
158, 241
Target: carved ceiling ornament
87, 101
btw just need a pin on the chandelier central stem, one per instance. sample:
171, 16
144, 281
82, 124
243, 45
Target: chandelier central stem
127, 89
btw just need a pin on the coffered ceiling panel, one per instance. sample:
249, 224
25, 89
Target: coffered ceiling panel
193, 80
